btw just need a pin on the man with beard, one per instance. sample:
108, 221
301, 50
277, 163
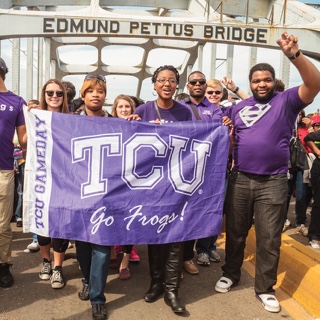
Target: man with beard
263, 127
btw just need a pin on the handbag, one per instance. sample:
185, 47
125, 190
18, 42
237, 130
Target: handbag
298, 155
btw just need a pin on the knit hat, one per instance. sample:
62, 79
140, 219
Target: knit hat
3, 66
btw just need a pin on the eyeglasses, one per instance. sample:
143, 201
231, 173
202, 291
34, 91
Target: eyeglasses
163, 81
98, 76
195, 81
214, 92
50, 93
316, 125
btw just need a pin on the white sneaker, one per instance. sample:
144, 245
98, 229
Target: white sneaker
286, 225
223, 285
302, 229
269, 302
315, 244
33, 246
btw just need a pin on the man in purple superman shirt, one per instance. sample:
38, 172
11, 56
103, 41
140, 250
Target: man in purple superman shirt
263, 127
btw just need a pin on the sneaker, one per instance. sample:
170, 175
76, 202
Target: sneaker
203, 259
134, 257
214, 256
124, 274
302, 229
223, 285
190, 267
6, 278
118, 249
84, 293
269, 302
57, 281
99, 312
286, 225
46, 270
33, 246
315, 244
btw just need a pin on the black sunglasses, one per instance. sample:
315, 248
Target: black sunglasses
92, 76
50, 93
212, 92
195, 81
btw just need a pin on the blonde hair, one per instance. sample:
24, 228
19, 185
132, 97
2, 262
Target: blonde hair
92, 83
214, 83
116, 102
43, 104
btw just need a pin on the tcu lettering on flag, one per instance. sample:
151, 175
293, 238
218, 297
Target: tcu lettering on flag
111, 181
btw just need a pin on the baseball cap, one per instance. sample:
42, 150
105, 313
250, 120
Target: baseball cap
3, 66
314, 120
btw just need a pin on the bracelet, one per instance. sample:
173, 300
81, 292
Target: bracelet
296, 55
236, 90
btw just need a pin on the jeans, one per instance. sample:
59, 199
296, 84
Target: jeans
18, 182
94, 264
314, 226
302, 195
205, 245
188, 253
263, 196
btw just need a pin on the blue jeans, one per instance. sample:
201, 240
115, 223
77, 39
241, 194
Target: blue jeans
314, 226
18, 183
302, 195
263, 196
94, 264
205, 245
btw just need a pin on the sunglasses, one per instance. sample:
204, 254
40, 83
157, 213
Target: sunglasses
213, 92
195, 81
50, 93
92, 76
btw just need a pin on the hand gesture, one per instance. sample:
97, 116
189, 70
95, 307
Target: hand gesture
288, 44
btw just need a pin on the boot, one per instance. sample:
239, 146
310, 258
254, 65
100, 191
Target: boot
155, 291
172, 300
173, 276
156, 268
6, 279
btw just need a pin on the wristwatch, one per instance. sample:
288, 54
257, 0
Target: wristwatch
296, 55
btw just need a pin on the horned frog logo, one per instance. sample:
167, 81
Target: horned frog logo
251, 114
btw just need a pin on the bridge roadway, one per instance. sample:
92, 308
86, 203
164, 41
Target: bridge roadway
31, 298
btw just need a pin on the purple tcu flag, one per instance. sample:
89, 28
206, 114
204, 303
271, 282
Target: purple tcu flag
110, 181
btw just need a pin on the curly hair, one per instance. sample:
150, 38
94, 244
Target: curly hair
165, 67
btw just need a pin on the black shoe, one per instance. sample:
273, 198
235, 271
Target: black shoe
19, 223
84, 293
99, 312
172, 300
6, 279
155, 291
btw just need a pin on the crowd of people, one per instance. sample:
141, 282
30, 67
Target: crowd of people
260, 179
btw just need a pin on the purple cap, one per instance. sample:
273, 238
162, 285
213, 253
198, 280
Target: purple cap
3, 66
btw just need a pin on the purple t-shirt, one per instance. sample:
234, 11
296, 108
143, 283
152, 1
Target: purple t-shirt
263, 131
205, 109
11, 116
147, 112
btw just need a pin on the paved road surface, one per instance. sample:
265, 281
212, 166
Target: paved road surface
31, 298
